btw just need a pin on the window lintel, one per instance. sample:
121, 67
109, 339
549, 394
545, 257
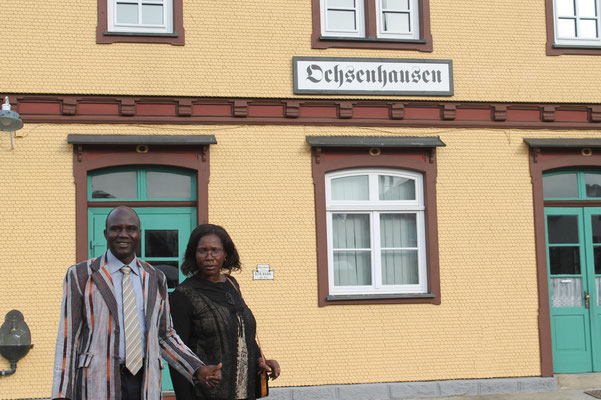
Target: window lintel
165, 140
374, 141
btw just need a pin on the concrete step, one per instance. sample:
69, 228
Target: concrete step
578, 381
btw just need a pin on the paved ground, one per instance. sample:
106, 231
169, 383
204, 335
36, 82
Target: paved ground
572, 394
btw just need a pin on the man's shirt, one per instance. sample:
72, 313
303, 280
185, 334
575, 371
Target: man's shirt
114, 267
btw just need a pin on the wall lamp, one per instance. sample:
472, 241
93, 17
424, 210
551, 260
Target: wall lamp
10, 121
15, 340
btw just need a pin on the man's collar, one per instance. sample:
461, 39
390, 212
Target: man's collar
114, 264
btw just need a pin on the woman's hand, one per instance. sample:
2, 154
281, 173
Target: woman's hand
210, 375
271, 367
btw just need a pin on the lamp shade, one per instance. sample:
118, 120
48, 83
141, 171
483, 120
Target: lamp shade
10, 121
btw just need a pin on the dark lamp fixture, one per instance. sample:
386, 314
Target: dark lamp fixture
15, 340
10, 121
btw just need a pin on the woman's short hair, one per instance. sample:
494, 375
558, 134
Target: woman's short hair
232, 260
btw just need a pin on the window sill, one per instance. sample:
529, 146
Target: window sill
108, 37
147, 34
324, 42
561, 49
343, 297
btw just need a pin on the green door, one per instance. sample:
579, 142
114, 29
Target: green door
574, 269
165, 233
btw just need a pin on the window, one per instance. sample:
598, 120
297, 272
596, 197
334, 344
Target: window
142, 16
395, 24
577, 22
375, 213
376, 240
574, 26
147, 21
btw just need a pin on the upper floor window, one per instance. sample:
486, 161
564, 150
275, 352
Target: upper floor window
140, 21
577, 22
394, 24
376, 238
142, 16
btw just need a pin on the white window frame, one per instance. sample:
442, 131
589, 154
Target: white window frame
576, 42
359, 10
375, 207
166, 27
413, 22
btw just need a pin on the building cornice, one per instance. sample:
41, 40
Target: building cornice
85, 109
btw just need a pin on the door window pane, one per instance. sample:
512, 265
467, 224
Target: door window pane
127, 13
560, 186
597, 257
396, 188
398, 230
564, 260
170, 269
351, 188
352, 268
168, 185
596, 227
566, 292
593, 185
399, 267
120, 185
161, 243
562, 228
351, 231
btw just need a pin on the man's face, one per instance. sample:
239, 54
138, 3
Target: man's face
122, 234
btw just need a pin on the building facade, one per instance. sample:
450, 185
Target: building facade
415, 181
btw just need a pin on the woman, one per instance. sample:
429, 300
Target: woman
210, 316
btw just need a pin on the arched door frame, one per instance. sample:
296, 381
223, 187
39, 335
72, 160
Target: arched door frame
173, 151
545, 157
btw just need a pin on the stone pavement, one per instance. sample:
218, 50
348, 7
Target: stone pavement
570, 387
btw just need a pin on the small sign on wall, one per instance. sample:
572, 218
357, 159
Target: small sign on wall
263, 272
372, 76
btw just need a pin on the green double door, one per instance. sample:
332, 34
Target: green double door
574, 269
165, 233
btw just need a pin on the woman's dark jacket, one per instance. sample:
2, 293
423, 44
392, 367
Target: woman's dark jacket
204, 316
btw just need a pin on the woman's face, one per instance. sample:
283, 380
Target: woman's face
210, 256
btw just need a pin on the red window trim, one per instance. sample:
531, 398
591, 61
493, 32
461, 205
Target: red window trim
372, 42
422, 160
177, 38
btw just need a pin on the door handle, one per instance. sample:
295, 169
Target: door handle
587, 298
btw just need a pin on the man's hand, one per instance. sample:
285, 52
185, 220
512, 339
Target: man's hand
271, 367
210, 375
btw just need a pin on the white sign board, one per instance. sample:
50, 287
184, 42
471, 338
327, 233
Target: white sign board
374, 76
262, 272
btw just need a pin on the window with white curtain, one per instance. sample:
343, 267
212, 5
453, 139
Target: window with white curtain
395, 19
140, 16
375, 232
577, 22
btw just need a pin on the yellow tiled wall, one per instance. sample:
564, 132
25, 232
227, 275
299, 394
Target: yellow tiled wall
261, 190
245, 48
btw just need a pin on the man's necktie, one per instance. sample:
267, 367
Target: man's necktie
133, 338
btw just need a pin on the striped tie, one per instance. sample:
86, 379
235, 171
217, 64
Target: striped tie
133, 338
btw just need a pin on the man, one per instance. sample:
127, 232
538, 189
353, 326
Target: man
115, 325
